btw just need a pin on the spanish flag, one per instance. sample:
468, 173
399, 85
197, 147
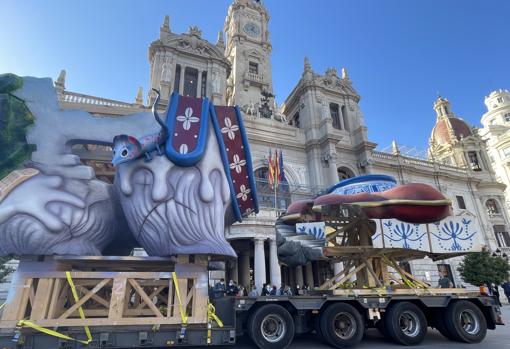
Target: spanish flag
270, 167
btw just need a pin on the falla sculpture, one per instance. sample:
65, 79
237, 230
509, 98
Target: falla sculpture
174, 191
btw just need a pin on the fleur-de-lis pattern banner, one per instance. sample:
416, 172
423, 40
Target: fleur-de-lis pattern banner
236, 157
453, 234
188, 121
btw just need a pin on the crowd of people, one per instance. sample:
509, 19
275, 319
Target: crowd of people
220, 289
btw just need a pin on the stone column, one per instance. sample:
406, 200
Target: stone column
244, 269
309, 275
299, 276
260, 263
274, 266
199, 84
234, 271
181, 81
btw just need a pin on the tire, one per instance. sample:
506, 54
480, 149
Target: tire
381, 328
466, 322
271, 327
405, 323
342, 325
440, 325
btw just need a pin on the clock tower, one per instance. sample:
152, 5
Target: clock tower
248, 49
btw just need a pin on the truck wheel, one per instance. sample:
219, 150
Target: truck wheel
466, 322
342, 325
271, 327
440, 325
381, 328
405, 323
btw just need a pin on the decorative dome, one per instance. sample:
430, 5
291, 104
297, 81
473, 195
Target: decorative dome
449, 128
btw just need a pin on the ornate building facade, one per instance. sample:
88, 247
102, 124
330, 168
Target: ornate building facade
496, 134
321, 130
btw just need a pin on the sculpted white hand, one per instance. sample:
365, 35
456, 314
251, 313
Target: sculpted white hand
41, 190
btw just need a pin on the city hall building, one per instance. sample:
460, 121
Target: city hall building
321, 131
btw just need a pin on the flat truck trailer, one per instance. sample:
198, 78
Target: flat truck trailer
149, 302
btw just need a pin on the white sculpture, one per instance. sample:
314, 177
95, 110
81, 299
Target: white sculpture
250, 110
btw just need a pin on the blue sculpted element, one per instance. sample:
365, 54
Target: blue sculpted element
455, 233
403, 234
191, 158
301, 230
127, 148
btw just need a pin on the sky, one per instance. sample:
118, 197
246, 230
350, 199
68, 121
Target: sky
399, 53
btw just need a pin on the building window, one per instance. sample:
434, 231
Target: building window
344, 118
500, 99
502, 236
344, 173
506, 151
177, 79
335, 115
253, 68
473, 161
507, 117
295, 120
190, 82
203, 90
492, 207
460, 202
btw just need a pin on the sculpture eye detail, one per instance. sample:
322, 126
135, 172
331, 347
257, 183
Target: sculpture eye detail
124, 153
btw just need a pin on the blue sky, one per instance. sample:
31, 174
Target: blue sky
398, 53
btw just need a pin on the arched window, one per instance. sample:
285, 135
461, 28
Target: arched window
492, 207
344, 173
267, 195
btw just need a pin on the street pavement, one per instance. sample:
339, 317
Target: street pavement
497, 339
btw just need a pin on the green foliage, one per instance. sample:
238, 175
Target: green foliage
4, 270
15, 118
481, 267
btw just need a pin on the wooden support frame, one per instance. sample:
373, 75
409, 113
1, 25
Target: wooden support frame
107, 298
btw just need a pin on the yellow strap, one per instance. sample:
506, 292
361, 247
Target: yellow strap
184, 317
211, 315
80, 309
2, 305
26, 323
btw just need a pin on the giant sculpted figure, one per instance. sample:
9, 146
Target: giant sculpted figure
179, 180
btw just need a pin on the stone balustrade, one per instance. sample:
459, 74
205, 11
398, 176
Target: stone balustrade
424, 164
255, 77
78, 98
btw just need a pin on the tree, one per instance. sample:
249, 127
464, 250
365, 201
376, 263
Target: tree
479, 268
4, 269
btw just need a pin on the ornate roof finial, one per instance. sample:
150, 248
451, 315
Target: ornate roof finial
307, 70
139, 96
394, 148
307, 66
195, 31
344, 74
60, 84
165, 28
220, 42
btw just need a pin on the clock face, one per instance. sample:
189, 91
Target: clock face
251, 29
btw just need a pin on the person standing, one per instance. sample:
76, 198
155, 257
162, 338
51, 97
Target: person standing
232, 289
444, 281
506, 289
495, 293
254, 292
219, 289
